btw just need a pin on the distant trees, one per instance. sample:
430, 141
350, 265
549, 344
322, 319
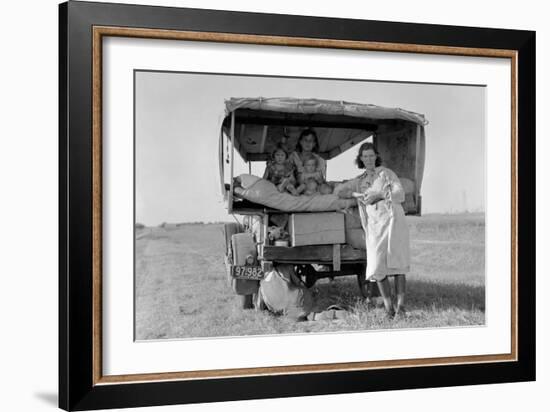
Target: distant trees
166, 225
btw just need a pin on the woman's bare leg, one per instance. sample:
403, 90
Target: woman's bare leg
385, 291
400, 287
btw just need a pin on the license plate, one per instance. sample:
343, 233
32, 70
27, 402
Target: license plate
248, 272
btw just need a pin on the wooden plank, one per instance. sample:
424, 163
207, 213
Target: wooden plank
238, 145
231, 182
324, 228
271, 118
221, 166
317, 253
417, 156
264, 138
265, 225
419, 167
260, 157
336, 262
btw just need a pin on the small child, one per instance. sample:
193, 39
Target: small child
310, 172
312, 187
280, 171
325, 189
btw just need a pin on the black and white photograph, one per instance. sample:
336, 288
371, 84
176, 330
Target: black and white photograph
222, 206
271, 205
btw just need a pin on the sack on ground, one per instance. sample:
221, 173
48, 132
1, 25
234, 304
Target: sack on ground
283, 293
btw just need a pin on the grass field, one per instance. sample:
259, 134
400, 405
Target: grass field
182, 291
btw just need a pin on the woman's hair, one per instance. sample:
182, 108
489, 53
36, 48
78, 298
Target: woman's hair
307, 132
278, 148
362, 148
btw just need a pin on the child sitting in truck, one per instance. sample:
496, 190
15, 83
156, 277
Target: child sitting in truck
280, 171
311, 187
325, 189
310, 173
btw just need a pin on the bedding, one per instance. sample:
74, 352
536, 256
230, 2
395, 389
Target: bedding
261, 191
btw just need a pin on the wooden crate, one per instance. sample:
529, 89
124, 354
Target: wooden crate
325, 228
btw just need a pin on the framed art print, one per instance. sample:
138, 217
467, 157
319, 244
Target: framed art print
257, 205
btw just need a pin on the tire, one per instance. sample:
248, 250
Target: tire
227, 269
229, 229
247, 301
243, 246
239, 245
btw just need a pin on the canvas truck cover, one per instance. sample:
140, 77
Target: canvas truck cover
262, 123
322, 107
255, 126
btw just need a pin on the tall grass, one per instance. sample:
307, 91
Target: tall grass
182, 291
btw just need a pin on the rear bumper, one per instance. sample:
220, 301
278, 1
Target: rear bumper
322, 254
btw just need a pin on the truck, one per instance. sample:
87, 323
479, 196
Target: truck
251, 129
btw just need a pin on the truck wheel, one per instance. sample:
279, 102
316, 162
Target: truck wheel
247, 301
229, 229
227, 262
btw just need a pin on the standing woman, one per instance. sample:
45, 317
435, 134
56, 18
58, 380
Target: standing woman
379, 196
307, 147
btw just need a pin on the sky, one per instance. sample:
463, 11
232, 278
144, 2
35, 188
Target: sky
177, 126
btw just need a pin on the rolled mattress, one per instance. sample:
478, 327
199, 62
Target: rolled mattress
261, 191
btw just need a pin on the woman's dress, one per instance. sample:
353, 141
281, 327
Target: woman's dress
386, 230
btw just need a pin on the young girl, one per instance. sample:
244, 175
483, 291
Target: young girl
310, 171
280, 171
308, 146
